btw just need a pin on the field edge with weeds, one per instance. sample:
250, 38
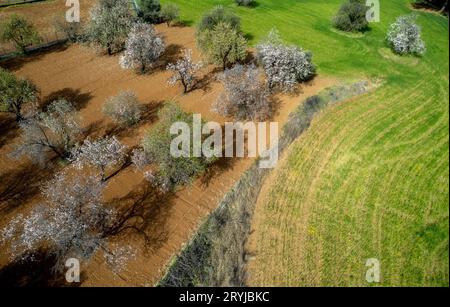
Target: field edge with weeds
216, 255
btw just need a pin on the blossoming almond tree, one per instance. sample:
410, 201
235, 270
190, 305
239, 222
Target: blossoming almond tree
102, 154
143, 47
72, 223
284, 65
53, 131
404, 36
184, 71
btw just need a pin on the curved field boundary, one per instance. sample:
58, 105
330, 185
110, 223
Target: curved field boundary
216, 254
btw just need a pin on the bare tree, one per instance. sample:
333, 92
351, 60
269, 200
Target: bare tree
55, 130
184, 71
143, 47
103, 154
245, 96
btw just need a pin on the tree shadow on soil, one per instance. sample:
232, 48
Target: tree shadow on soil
78, 99
143, 212
170, 55
8, 128
149, 115
18, 62
22, 184
37, 271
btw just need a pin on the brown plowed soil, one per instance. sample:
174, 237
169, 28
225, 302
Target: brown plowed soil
88, 79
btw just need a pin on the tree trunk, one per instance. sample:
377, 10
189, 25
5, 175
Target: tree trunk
184, 85
19, 117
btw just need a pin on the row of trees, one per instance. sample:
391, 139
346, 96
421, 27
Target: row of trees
108, 28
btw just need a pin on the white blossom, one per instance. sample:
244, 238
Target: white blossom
124, 108
284, 65
404, 36
102, 154
245, 96
143, 47
184, 71
70, 223
139, 158
117, 257
54, 130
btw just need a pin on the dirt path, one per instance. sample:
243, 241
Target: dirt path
88, 79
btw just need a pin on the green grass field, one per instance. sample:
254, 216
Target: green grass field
370, 178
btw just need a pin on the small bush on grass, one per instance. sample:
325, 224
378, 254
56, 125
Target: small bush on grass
244, 2
404, 36
218, 15
351, 16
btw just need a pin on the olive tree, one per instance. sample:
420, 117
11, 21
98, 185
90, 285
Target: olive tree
284, 65
184, 71
73, 222
18, 30
109, 25
102, 154
351, 16
143, 47
245, 95
54, 131
170, 171
223, 45
404, 36
170, 13
15, 93
123, 109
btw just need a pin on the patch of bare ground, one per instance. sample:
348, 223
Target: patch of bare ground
88, 79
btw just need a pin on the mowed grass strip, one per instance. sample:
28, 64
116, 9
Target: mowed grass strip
370, 178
